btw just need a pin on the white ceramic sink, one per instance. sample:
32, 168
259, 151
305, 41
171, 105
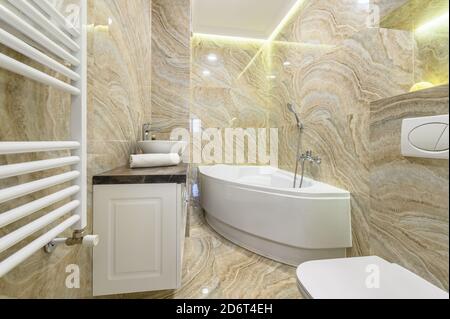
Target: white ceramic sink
163, 147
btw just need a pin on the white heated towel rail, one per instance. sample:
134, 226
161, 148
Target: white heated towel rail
39, 31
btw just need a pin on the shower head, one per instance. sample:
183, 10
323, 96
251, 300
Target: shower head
291, 108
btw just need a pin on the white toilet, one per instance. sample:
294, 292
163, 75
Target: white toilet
363, 278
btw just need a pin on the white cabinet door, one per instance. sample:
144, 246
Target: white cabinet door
138, 247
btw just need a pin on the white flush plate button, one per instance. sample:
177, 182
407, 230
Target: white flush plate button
443, 142
426, 137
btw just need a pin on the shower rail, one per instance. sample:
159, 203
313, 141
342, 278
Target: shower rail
37, 30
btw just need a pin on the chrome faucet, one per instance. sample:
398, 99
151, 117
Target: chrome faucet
146, 130
308, 157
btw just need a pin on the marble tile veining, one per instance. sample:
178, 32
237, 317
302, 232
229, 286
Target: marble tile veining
431, 53
171, 64
409, 196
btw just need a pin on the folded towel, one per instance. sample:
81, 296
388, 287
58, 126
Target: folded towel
154, 160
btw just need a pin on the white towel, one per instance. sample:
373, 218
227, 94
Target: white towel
154, 160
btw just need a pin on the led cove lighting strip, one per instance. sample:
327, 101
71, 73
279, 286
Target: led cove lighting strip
227, 37
285, 20
265, 42
433, 23
275, 33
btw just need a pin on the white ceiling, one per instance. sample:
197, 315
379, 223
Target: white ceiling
239, 18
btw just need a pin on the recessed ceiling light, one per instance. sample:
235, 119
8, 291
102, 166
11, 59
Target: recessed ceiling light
206, 72
110, 21
212, 57
287, 63
271, 77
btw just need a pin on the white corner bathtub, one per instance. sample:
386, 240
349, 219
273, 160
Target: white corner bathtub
256, 208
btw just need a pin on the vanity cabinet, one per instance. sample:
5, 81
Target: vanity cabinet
142, 230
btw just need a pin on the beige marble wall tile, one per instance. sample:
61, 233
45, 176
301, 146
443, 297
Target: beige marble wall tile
326, 22
409, 196
171, 64
409, 14
432, 55
386, 7
227, 97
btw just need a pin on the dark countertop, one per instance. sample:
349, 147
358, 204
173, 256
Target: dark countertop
158, 175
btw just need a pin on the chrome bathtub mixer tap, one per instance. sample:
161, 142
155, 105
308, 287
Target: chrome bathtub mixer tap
308, 157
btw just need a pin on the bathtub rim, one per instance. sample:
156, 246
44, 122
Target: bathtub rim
321, 190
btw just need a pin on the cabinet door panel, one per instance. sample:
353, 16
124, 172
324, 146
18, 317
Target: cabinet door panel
137, 228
